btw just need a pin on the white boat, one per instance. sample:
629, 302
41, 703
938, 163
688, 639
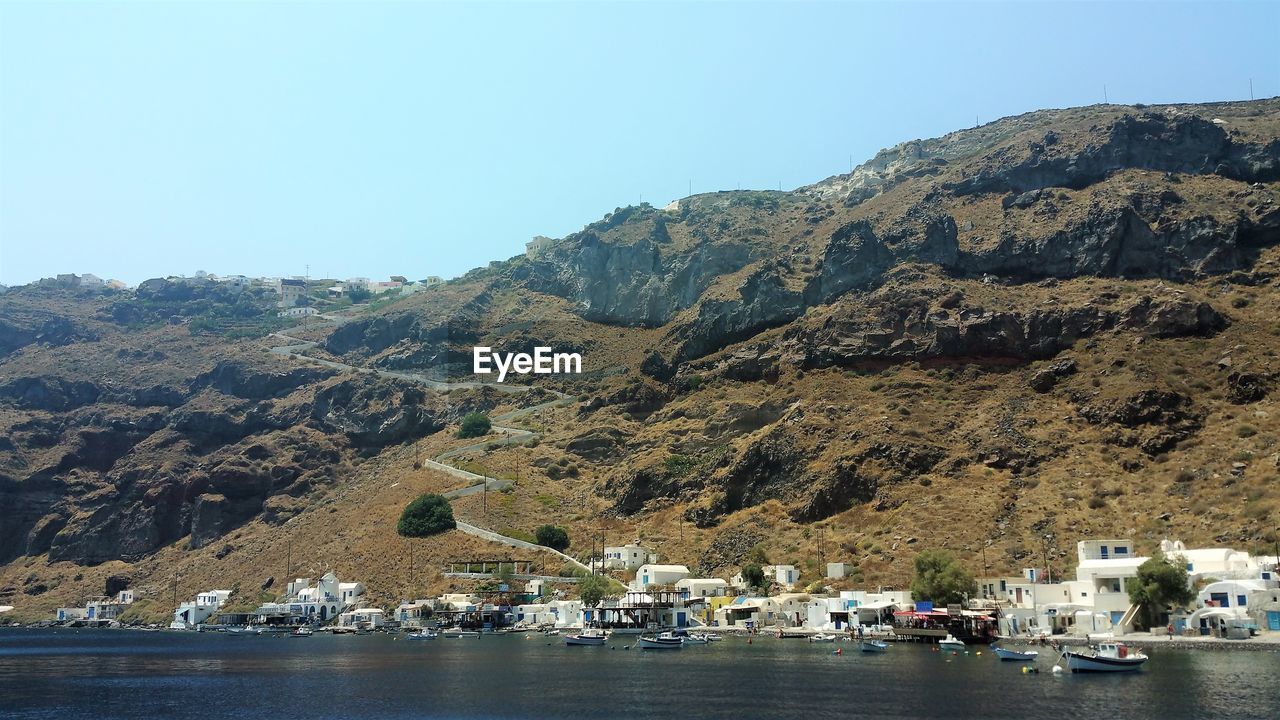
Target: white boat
665, 641
1014, 655
302, 632
550, 632
1104, 657
822, 638
695, 639
590, 636
951, 643
421, 635
877, 646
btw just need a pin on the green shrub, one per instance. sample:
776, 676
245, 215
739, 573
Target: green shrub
475, 424
552, 536
426, 516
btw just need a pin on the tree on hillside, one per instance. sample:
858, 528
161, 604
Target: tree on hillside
753, 575
552, 536
428, 515
1161, 582
941, 578
475, 424
592, 589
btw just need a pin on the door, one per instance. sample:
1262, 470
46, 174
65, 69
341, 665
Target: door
1273, 619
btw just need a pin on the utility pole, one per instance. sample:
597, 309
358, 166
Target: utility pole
288, 561
1105, 101
1047, 568
985, 571
175, 590
1250, 88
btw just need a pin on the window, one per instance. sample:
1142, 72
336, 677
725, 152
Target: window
1121, 550
1104, 552
1241, 601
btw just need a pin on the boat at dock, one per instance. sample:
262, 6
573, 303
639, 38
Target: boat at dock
665, 641
950, 642
590, 636
1014, 655
1104, 657
822, 638
302, 632
873, 646
421, 635
791, 634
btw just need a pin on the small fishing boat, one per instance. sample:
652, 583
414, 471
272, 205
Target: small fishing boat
874, 646
791, 634
421, 635
590, 636
695, 639
302, 632
822, 638
552, 631
951, 643
665, 641
1104, 657
1014, 655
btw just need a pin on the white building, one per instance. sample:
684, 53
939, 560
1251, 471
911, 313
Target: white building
89, 280
654, 574
628, 557
837, 570
298, 312
414, 613
322, 603
362, 618
190, 614
784, 575
703, 587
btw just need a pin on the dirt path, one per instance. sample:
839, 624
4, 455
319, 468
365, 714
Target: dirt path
479, 483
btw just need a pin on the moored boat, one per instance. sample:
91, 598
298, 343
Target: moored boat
420, 635
1104, 657
876, 646
665, 641
302, 632
590, 636
950, 642
1014, 655
822, 638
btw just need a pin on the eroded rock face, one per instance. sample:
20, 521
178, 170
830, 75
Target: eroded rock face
1155, 420
52, 331
371, 413
253, 382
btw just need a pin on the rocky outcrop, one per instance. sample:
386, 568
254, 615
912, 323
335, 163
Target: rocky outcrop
372, 412
1155, 420
597, 445
52, 331
252, 382
49, 393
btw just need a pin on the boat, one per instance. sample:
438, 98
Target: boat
822, 638
665, 641
695, 639
791, 634
590, 636
1104, 657
951, 643
302, 632
1014, 655
551, 632
421, 635
877, 646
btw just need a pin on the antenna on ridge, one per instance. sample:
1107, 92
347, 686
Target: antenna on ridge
1105, 101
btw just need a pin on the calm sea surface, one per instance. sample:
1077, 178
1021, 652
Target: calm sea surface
68, 674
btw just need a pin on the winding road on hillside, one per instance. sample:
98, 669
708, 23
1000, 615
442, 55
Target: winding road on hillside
296, 349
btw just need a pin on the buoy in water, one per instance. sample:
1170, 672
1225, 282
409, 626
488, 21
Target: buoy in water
1057, 669
979, 652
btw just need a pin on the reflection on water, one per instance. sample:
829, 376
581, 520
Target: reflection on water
97, 674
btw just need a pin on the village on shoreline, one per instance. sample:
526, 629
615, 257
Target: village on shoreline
1236, 605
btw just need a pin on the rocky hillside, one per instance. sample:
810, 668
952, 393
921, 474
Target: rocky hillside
998, 341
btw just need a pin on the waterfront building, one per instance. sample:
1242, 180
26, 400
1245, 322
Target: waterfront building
304, 603
414, 613
362, 618
703, 587
190, 614
654, 574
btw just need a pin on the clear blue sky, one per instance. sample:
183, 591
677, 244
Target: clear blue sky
145, 139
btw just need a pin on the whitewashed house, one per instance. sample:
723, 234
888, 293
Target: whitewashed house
362, 618
654, 574
628, 557
784, 575
190, 614
414, 613
322, 603
703, 587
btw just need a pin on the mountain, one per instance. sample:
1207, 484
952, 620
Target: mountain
999, 341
